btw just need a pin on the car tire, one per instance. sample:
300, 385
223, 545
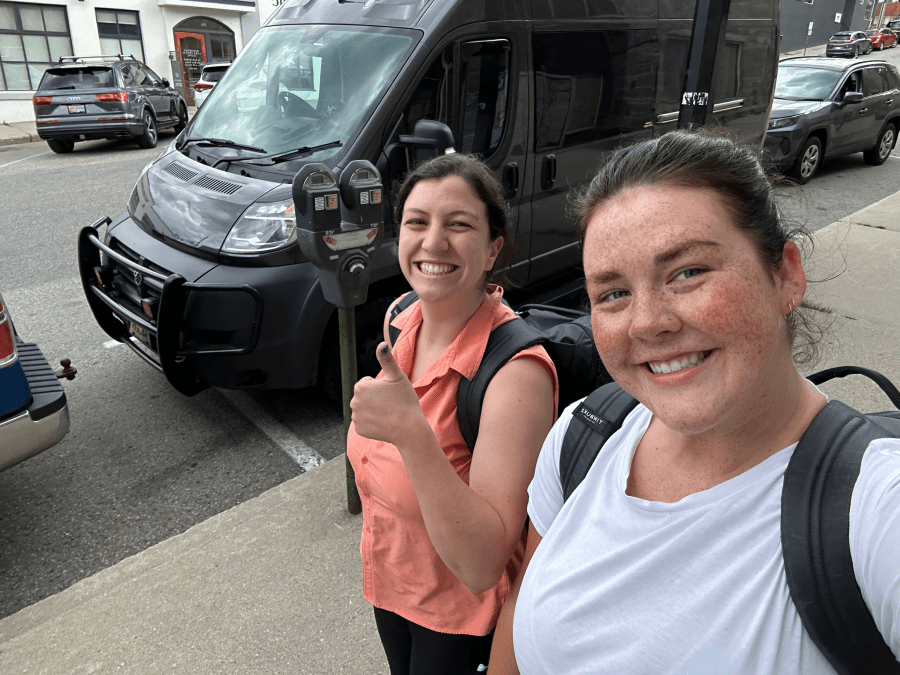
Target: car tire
182, 118
61, 147
886, 140
880, 46
369, 320
869, 50
148, 139
808, 161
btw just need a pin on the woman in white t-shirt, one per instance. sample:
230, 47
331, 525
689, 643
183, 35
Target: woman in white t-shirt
667, 559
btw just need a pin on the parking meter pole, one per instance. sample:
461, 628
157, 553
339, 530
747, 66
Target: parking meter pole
347, 331
339, 227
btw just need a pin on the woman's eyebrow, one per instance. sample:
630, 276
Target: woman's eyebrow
673, 253
682, 249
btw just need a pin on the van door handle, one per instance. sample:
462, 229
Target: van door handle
548, 172
511, 179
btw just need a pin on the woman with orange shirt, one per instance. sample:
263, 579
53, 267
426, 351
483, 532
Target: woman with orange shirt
442, 524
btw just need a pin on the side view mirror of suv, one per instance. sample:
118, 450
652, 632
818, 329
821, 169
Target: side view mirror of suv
853, 97
165, 83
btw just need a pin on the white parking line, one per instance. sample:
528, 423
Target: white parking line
296, 449
16, 161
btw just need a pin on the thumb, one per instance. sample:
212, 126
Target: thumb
390, 367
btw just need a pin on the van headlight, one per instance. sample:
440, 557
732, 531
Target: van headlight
263, 227
781, 122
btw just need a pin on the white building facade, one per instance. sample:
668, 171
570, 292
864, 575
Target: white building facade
175, 38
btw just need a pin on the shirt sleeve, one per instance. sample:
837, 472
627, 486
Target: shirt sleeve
545, 494
875, 536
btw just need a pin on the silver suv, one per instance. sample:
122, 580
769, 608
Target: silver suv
85, 98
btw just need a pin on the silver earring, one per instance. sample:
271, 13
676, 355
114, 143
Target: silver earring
791, 310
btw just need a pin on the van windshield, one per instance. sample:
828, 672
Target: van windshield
295, 86
810, 84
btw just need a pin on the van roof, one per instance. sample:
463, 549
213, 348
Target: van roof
398, 13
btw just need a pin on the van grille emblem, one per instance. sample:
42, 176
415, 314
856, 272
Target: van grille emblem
138, 277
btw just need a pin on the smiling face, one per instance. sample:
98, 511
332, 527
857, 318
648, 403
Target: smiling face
685, 315
445, 247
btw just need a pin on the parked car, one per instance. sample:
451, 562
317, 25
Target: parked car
203, 276
85, 98
882, 37
34, 413
894, 25
211, 73
848, 43
824, 109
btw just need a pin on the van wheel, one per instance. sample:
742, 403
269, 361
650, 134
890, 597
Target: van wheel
61, 147
182, 118
148, 138
878, 155
809, 160
369, 319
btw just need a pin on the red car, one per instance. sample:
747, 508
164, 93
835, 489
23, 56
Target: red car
882, 37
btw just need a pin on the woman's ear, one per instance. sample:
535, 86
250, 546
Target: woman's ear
496, 246
792, 277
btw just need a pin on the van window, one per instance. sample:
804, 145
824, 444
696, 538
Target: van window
673, 66
484, 77
592, 85
433, 97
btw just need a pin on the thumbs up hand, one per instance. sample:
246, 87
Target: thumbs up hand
383, 409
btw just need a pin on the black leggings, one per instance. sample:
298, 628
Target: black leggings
414, 650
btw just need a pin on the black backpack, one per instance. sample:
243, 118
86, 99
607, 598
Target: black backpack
815, 513
564, 333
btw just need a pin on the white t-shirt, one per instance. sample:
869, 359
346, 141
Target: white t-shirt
623, 585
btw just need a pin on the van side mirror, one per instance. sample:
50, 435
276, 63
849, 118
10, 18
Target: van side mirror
429, 139
165, 83
853, 97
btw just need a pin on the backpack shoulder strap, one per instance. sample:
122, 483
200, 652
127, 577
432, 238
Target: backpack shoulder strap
598, 417
815, 539
405, 302
505, 341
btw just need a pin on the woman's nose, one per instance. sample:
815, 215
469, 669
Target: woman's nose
435, 239
652, 315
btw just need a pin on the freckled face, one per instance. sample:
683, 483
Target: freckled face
445, 247
685, 315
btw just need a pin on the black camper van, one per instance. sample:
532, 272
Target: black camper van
202, 276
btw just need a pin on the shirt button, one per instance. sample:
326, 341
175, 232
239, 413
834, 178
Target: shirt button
366, 495
365, 460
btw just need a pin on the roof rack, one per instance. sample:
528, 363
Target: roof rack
103, 57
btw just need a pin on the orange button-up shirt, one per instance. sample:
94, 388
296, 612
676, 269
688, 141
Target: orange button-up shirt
402, 572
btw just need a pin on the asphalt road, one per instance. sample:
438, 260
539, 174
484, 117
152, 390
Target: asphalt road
142, 462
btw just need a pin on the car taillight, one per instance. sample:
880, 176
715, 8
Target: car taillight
120, 96
201, 86
7, 343
42, 100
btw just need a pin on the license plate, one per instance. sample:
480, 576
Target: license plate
138, 331
76, 108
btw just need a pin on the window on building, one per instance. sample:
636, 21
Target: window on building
32, 37
120, 33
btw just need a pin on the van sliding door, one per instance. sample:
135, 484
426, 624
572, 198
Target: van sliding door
593, 91
744, 74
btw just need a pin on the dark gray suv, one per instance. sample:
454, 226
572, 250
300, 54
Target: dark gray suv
94, 97
825, 108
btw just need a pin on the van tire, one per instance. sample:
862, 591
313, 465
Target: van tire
886, 140
369, 320
61, 147
182, 118
808, 161
148, 139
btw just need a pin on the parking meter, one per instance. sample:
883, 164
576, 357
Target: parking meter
340, 226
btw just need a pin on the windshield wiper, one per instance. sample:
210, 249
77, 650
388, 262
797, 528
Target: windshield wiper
287, 155
219, 143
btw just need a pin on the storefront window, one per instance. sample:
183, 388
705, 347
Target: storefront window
32, 37
120, 33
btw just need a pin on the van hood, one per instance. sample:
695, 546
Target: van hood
196, 205
783, 107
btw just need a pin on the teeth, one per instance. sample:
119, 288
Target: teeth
429, 268
675, 365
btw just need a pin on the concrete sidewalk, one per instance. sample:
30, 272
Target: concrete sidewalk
273, 585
